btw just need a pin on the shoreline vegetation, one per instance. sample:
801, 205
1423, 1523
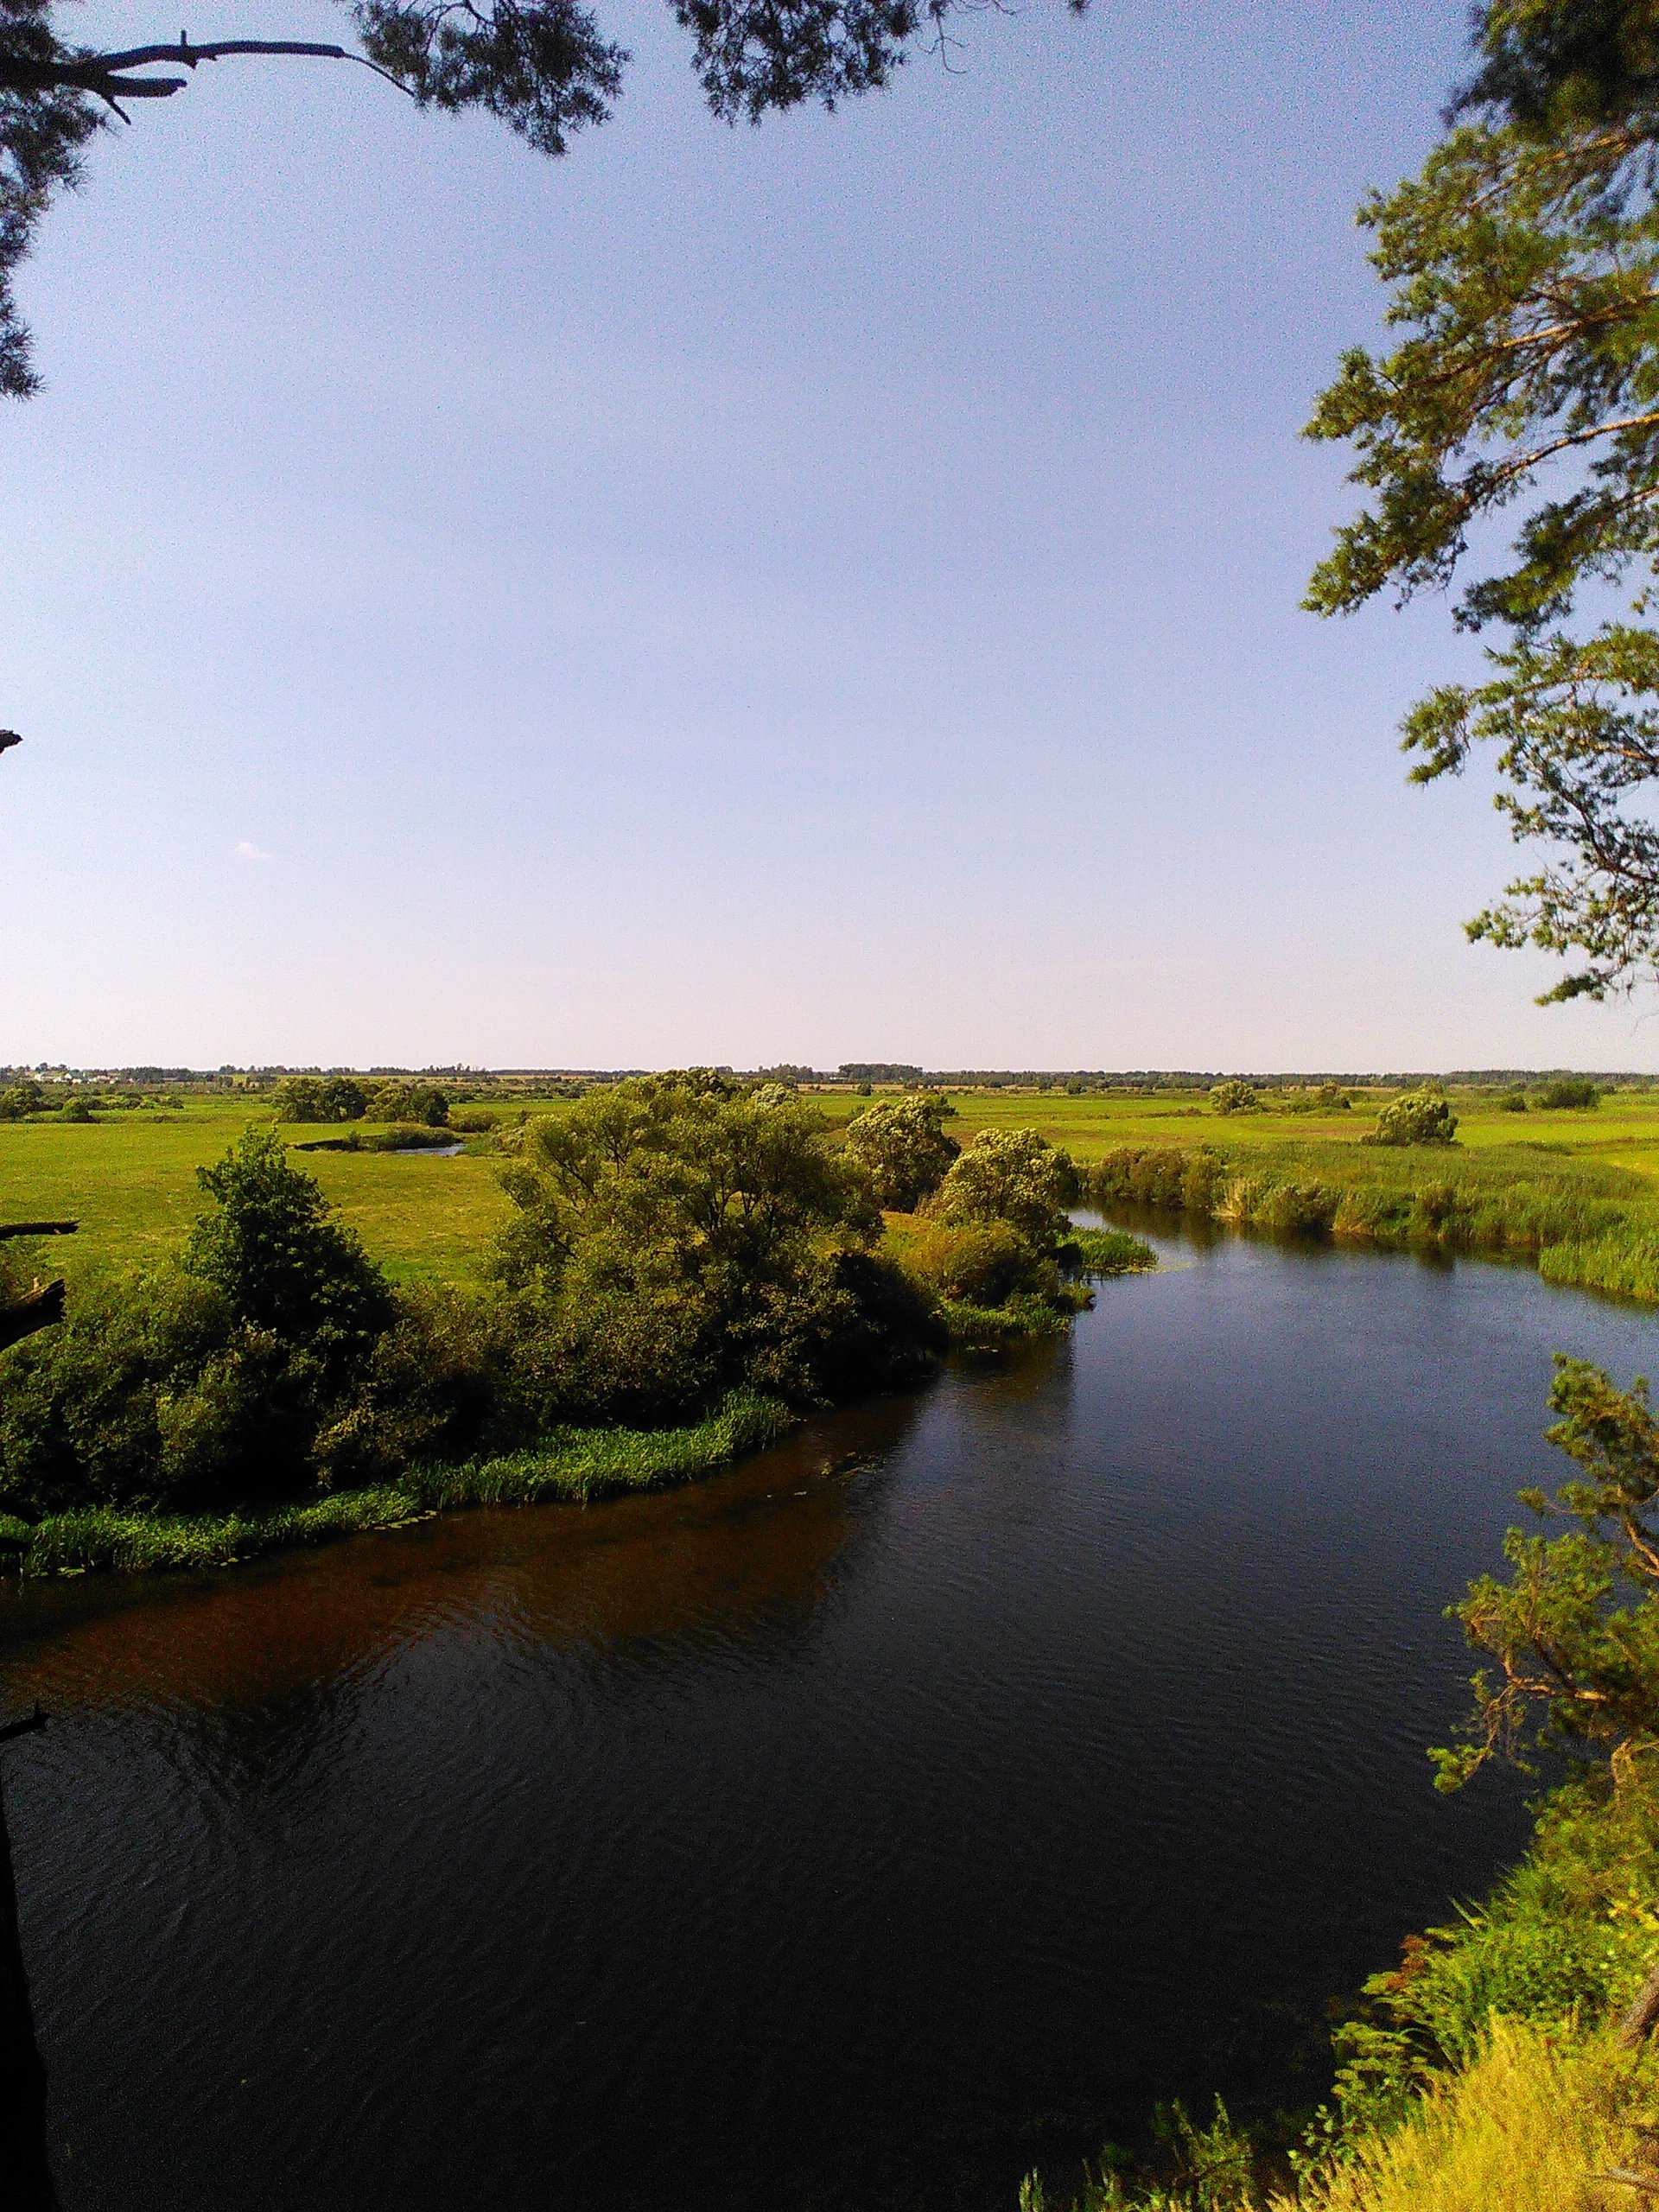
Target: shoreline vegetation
690, 1266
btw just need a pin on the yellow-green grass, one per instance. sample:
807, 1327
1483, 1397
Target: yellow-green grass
130, 1181
1533, 2124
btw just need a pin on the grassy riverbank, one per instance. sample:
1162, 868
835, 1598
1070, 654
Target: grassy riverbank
573, 1466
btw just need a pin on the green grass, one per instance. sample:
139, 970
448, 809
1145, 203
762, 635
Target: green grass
1582, 1188
130, 1181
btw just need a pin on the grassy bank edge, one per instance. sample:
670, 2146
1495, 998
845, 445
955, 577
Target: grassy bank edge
1428, 1197
574, 1467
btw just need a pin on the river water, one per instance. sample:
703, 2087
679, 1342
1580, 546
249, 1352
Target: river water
912, 1805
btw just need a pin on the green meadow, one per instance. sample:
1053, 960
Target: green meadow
1579, 1185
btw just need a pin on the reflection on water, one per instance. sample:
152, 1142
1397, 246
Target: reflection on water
913, 1804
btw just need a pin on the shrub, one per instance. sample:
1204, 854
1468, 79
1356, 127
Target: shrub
268, 1244
1511, 1102
984, 1262
396, 1101
901, 1146
1014, 1176
1235, 1098
1415, 1117
1566, 1094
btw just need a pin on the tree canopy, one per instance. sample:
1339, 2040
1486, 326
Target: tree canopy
1523, 264
543, 67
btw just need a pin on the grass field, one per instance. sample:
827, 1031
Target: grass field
130, 1178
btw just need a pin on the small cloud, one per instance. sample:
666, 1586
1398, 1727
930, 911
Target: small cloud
247, 850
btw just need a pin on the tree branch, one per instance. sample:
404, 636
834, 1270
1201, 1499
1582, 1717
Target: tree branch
99, 72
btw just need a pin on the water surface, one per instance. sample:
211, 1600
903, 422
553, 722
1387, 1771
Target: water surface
914, 1804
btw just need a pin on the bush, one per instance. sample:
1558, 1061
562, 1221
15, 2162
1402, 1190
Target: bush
396, 1101
1235, 1098
211, 1384
684, 1234
1565, 1095
901, 1146
1415, 1117
984, 1262
1014, 1176
268, 1244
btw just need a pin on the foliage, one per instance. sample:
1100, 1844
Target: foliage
1235, 1096
543, 67
422, 1103
319, 1098
1014, 1176
683, 1233
984, 1263
1575, 1629
1525, 2125
901, 1145
268, 1245
1415, 1117
571, 1465
20, 1098
1565, 1095
1524, 266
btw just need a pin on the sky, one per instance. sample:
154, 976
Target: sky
821, 593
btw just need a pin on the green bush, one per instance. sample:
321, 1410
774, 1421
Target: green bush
901, 1146
1415, 1117
1014, 1176
1235, 1098
1567, 1094
685, 1235
984, 1262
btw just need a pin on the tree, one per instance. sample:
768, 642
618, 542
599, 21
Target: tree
680, 1233
1235, 1096
268, 1244
1524, 268
1575, 1629
1014, 1176
901, 1146
1415, 1117
543, 67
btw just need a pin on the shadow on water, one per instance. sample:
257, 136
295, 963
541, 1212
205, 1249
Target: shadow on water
915, 1803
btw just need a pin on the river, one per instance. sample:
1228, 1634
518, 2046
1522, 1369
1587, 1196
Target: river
913, 1804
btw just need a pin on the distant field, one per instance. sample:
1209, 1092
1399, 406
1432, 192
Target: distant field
130, 1178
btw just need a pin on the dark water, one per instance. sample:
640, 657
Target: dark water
846, 1836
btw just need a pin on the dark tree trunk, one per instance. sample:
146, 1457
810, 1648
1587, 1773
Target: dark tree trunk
24, 1315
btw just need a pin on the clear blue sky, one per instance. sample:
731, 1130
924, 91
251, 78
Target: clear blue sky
818, 592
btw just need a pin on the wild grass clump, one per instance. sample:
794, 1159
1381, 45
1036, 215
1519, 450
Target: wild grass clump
1107, 1252
1624, 1260
581, 1465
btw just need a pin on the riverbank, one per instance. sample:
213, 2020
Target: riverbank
1579, 1220
1499, 2064
577, 1467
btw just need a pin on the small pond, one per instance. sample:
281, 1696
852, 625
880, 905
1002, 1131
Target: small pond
913, 1804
